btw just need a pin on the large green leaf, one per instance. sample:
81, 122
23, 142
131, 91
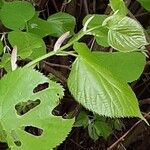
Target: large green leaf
17, 87
29, 45
125, 34
127, 66
61, 23
14, 15
145, 4
119, 7
101, 33
99, 90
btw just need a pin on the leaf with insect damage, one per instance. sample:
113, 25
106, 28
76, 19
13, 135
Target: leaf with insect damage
18, 88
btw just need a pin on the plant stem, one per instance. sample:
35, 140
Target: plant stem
30, 64
52, 53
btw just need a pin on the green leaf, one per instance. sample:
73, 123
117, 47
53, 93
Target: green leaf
1, 47
117, 124
29, 45
1, 3
101, 33
127, 66
14, 15
145, 4
119, 7
99, 90
61, 23
17, 87
125, 34
92, 132
81, 120
5, 62
40, 27
102, 129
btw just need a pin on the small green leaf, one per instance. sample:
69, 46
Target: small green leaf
101, 33
145, 4
119, 7
14, 15
92, 132
125, 34
40, 27
102, 129
17, 87
5, 62
61, 23
117, 124
29, 45
127, 66
99, 90
81, 120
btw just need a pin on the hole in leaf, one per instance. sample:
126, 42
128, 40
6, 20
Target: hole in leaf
18, 143
24, 107
41, 87
67, 108
4, 146
34, 130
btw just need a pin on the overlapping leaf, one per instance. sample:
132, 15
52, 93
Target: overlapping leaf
14, 15
61, 23
29, 45
17, 87
98, 89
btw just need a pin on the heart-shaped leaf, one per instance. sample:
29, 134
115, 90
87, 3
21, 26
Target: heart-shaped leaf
98, 89
17, 87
